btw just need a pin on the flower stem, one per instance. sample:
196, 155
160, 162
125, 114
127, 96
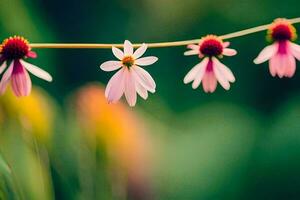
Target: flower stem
154, 45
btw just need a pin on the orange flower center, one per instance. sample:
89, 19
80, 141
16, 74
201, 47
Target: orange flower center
14, 48
211, 46
281, 29
128, 61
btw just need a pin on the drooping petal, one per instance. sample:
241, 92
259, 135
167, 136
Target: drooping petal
20, 80
229, 52
6, 78
141, 90
295, 50
111, 65
118, 53
31, 54
140, 51
221, 78
291, 66
38, 72
273, 65
191, 75
144, 78
128, 48
266, 53
115, 87
3, 67
146, 61
209, 82
130, 91
224, 70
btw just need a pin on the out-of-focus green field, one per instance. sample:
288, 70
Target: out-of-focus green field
65, 142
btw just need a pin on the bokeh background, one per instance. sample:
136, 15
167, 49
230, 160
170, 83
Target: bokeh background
65, 142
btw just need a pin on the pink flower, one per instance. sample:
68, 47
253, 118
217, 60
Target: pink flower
14, 50
210, 70
130, 79
282, 53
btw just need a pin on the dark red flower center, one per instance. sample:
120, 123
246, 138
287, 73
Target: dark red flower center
211, 47
128, 61
282, 32
15, 48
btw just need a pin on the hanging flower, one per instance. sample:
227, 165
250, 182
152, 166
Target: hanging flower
130, 79
13, 50
282, 53
210, 70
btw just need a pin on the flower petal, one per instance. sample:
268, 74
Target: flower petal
266, 53
191, 52
140, 51
221, 77
226, 44
141, 90
295, 49
229, 52
20, 80
115, 87
111, 65
38, 72
31, 54
209, 82
144, 78
128, 48
191, 75
224, 70
118, 53
3, 67
290, 67
146, 61
130, 91
6, 77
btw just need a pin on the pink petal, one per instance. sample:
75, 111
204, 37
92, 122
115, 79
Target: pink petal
20, 80
140, 51
144, 78
226, 44
3, 67
229, 52
193, 47
266, 53
291, 66
118, 53
38, 72
221, 77
115, 87
146, 61
6, 77
128, 48
141, 90
295, 49
110, 65
224, 70
209, 82
192, 74
31, 54
130, 92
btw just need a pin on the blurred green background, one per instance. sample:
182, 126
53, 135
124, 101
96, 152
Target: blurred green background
66, 142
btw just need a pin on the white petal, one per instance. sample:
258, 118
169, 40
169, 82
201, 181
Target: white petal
191, 52
146, 61
6, 77
128, 48
115, 87
118, 53
266, 53
144, 78
224, 70
140, 51
130, 92
295, 49
141, 90
191, 75
3, 67
111, 65
221, 77
38, 72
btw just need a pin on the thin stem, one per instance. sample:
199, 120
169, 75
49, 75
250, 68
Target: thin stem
154, 45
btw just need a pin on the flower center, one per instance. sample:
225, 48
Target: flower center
128, 61
282, 32
15, 48
211, 46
